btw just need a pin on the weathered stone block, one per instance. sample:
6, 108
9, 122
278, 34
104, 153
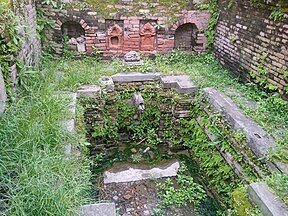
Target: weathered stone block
3, 96
135, 77
107, 83
182, 83
91, 91
258, 140
263, 196
98, 209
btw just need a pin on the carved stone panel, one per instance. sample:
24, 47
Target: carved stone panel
147, 35
115, 37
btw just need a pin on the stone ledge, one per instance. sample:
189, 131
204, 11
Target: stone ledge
90, 91
69, 124
182, 83
3, 96
258, 140
135, 77
261, 195
98, 209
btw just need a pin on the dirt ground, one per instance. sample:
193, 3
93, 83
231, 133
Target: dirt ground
140, 199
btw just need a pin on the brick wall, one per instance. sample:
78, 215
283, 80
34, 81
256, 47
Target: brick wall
247, 41
121, 32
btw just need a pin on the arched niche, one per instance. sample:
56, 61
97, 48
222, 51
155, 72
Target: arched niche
115, 34
147, 35
186, 37
72, 29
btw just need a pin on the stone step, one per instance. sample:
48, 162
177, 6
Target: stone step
182, 83
258, 140
261, 195
98, 209
135, 77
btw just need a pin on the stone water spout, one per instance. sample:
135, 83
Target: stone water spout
138, 102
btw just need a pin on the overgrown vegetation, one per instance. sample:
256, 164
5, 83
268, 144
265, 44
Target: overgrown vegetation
35, 176
42, 141
188, 190
10, 40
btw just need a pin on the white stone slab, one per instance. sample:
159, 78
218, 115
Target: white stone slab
90, 91
98, 209
133, 174
81, 48
135, 77
3, 96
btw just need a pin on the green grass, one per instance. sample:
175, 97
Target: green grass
69, 74
35, 176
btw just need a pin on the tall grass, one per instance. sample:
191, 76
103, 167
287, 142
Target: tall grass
35, 177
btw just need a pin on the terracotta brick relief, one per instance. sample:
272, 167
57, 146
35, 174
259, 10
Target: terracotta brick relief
115, 37
147, 35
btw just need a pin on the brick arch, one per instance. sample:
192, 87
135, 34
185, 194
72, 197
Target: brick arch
198, 40
81, 22
186, 21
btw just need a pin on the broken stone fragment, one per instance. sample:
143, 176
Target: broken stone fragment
127, 196
132, 56
133, 150
81, 48
151, 154
72, 41
146, 150
80, 39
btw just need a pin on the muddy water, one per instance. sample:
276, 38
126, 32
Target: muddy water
140, 197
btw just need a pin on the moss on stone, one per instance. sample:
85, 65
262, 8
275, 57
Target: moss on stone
240, 201
107, 9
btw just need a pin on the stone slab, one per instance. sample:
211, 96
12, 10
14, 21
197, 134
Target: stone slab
264, 197
69, 124
134, 174
135, 77
71, 100
98, 209
136, 63
81, 48
258, 140
90, 91
182, 83
3, 95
